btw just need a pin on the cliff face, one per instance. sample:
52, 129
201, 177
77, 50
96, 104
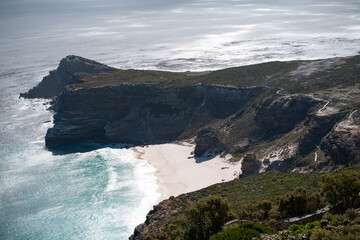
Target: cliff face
343, 143
140, 113
280, 114
303, 123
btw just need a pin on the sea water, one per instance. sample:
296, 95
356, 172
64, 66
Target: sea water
105, 193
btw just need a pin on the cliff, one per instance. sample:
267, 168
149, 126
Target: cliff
289, 116
140, 113
68, 72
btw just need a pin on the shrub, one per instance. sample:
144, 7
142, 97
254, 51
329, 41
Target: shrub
206, 217
335, 222
351, 215
320, 234
342, 232
236, 234
256, 211
295, 228
299, 202
342, 190
293, 203
245, 231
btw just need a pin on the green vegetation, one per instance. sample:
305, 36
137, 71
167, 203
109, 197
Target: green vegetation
256, 188
342, 190
296, 228
248, 76
128, 76
262, 200
245, 231
206, 217
236, 157
347, 74
275, 74
337, 227
299, 202
291, 204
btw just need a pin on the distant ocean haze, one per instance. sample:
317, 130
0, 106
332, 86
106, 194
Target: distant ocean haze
102, 193
190, 35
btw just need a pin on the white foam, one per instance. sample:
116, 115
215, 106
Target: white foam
137, 185
146, 182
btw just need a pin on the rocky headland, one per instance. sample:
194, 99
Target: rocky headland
290, 116
298, 116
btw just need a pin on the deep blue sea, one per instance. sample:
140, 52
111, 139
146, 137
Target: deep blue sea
105, 193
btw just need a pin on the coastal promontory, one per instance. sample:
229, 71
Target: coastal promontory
291, 116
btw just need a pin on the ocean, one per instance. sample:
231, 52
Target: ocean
105, 193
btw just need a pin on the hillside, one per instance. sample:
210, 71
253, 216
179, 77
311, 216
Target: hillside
290, 116
272, 198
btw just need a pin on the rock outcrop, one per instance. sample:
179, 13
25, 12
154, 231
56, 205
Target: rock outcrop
250, 165
68, 72
318, 126
343, 145
279, 114
207, 140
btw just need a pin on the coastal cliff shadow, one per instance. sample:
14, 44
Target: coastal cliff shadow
204, 158
83, 147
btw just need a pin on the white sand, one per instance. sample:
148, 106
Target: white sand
177, 174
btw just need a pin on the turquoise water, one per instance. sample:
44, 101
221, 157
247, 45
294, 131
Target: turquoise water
105, 193
101, 194
89, 195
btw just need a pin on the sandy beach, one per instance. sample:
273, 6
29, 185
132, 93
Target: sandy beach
178, 172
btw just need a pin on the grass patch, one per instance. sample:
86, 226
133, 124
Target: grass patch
267, 185
273, 74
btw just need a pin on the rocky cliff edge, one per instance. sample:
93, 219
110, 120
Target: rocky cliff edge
274, 115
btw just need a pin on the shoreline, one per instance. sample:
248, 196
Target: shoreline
178, 172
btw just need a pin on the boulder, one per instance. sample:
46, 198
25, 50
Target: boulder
250, 165
207, 140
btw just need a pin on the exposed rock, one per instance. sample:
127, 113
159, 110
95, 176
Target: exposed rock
139, 113
279, 114
343, 146
160, 212
58, 79
250, 165
207, 140
283, 166
318, 127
